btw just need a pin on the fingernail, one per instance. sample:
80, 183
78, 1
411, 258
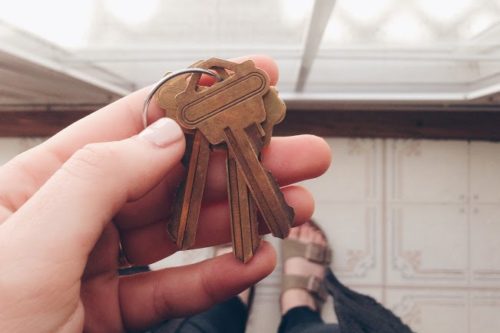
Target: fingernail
162, 132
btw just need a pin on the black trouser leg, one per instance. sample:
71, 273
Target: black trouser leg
303, 319
229, 316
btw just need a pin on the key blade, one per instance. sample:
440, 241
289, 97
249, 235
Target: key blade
268, 197
182, 229
244, 225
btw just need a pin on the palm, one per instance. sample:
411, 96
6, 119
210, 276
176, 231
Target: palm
100, 286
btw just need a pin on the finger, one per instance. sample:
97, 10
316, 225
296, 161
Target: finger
147, 299
70, 211
151, 243
116, 121
289, 159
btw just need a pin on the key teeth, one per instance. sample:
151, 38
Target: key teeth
244, 259
183, 246
247, 259
175, 238
283, 232
182, 243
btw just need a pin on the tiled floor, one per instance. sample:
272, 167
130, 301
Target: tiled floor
414, 223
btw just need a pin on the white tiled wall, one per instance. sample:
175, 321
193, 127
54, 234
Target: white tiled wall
420, 221
414, 223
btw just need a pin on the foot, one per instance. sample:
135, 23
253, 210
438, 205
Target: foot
244, 296
292, 298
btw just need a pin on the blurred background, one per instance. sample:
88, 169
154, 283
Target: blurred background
406, 92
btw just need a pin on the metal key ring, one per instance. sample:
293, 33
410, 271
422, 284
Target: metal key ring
167, 78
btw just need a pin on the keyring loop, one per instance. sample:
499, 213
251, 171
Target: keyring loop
167, 78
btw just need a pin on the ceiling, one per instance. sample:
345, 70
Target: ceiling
58, 52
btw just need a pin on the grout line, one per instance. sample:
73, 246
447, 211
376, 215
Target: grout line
383, 222
404, 202
469, 240
432, 287
274, 287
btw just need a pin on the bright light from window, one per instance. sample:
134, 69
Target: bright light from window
479, 23
133, 12
444, 11
336, 31
404, 28
363, 11
62, 22
295, 11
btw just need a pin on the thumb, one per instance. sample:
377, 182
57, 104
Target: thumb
69, 212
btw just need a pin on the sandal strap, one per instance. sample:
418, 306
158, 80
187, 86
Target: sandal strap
312, 284
316, 253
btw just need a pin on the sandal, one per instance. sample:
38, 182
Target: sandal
315, 253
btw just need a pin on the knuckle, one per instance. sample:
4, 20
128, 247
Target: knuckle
211, 292
162, 306
91, 161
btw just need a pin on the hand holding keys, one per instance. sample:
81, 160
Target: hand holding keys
236, 114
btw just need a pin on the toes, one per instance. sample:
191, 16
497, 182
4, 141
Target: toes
304, 233
317, 238
309, 237
294, 233
307, 233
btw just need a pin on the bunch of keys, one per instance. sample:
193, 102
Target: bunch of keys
237, 113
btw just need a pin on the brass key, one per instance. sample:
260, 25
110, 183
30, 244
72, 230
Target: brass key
187, 206
222, 113
275, 113
244, 224
243, 212
166, 94
186, 209
182, 227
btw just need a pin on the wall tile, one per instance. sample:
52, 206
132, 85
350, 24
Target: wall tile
265, 315
354, 174
485, 245
484, 312
427, 171
427, 244
355, 232
430, 311
485, 171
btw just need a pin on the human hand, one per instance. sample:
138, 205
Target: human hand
67, 204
